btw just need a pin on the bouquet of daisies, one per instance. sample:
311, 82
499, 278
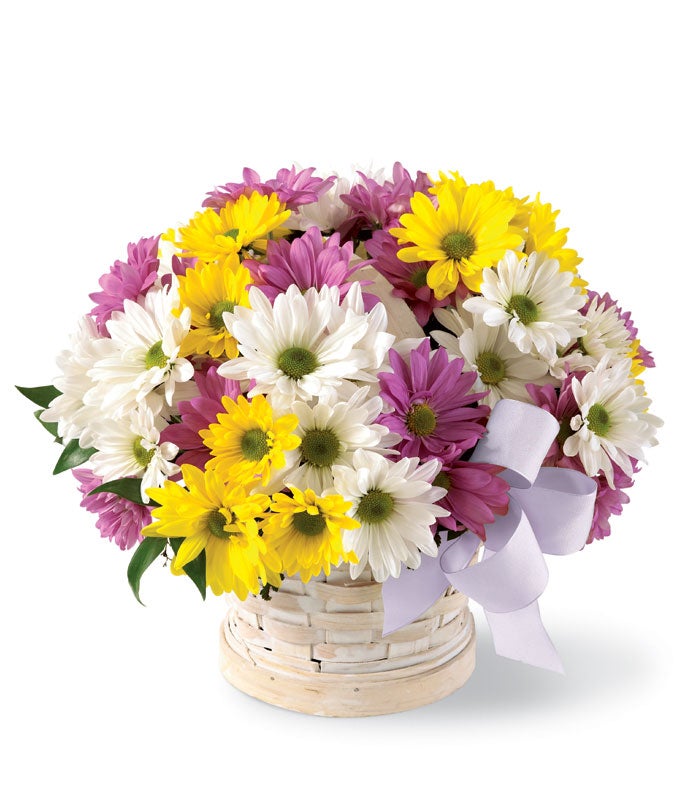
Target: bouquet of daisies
297, 378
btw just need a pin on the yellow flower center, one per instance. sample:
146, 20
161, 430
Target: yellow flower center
214, 317
254, 444
523, 308
421, 420
459, 245
296, 362
142, 454
309, 524
491, 367
598, 420
155, 357
375, 506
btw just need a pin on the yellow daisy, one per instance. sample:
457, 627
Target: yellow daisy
522, 209
222, 519
468, 231
247, 442
545, 237
636, 365
209, 290
212, 236
306, 532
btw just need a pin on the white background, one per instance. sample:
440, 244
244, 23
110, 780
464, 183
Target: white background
117, 118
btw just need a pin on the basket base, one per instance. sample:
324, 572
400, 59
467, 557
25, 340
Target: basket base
350, 695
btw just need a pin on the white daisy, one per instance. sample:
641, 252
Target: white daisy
74, 418
132, 447
603, 332
378, 175
330, 432
304, 346
141, 362
183, 392
395, 504
613, 423
501, 368
376, 342
535, 299
167, 251
401, 321
328, 212
572, 361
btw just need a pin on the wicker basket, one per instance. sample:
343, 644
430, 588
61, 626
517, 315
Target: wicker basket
318, 648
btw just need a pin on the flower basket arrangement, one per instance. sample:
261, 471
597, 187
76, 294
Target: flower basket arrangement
351, 405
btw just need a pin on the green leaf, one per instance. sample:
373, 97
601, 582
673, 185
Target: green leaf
73, 455
147, 551
40, 395
266, 591
51, 427
195, 569
129, 488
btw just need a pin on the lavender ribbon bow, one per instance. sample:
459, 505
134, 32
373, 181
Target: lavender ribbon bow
550, 511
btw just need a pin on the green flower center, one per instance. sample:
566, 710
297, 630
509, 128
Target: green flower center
320, 448
155, 357
254, 444
599, 420
491, 367
442, 480
374, 507
296, 362
215, 314
421, 420
459, 245
419, 277
214, 522
233, 233
308, 524
142, 454
524, 308
565, 431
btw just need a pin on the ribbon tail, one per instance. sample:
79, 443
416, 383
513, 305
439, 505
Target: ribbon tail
521, 635
414, 591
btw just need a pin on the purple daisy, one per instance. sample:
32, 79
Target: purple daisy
608, 501
433, 405
409, 281
119, 519
126, 280
307, 262
180, 265
197, 414
294, 188
378, 206
475, 494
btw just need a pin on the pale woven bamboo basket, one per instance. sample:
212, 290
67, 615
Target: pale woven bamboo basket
318, 648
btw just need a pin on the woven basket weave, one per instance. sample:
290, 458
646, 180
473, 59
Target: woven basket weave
318, 648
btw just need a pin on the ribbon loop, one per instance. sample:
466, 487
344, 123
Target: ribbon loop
550, 511
518, 436
560, 509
